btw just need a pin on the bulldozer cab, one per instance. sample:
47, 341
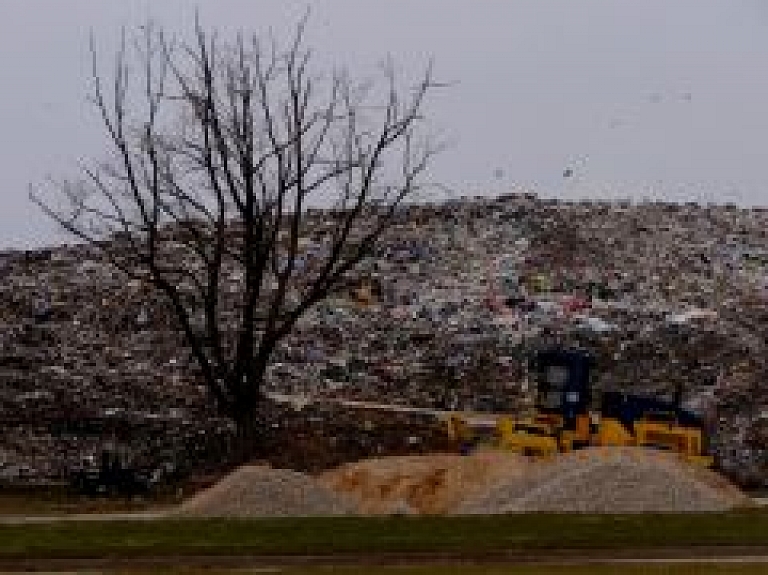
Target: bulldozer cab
563, 387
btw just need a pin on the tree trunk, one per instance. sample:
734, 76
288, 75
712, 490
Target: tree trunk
250, 436
248, 416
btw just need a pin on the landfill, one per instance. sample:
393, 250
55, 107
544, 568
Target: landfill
441, 317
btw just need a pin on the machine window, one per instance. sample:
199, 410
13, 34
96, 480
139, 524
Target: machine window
557, 375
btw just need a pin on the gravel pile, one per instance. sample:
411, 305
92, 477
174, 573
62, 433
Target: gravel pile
261, 491
607, 481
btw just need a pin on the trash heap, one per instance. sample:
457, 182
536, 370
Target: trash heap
442, 317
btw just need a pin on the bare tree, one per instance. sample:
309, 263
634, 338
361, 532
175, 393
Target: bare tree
225, 149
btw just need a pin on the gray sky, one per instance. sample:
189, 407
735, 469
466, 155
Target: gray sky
639, 99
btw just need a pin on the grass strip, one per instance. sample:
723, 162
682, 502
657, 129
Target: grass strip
660, 569
332, 535
656, 569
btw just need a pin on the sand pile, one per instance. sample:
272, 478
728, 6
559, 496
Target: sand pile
423, 484
260, 491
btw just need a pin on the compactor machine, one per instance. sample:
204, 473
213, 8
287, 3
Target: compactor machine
569, 416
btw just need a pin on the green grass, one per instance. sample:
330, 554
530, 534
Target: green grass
534, 533
663, 569
60, 501
668, 569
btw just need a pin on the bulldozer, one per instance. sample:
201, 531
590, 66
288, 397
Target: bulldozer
568, 416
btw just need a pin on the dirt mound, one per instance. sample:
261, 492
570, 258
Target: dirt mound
601, 480
423, 484
260, 491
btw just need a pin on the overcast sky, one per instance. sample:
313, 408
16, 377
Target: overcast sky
651, 98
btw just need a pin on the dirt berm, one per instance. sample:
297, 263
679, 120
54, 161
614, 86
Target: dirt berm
600, 480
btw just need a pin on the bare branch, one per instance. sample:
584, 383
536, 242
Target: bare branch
217, 151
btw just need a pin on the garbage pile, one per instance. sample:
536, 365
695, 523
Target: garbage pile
442, 317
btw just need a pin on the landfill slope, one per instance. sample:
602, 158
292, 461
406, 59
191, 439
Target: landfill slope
261, 491
609, 480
